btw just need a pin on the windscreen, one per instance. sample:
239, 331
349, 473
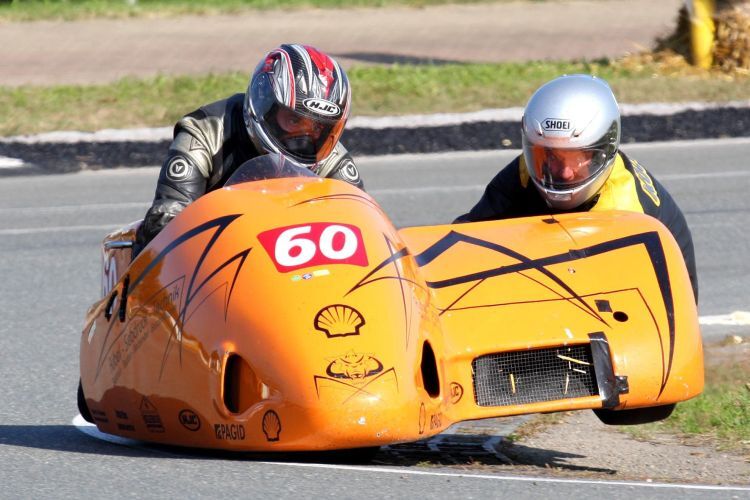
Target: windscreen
270, 166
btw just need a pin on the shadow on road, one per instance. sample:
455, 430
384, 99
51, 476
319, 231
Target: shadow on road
452, 450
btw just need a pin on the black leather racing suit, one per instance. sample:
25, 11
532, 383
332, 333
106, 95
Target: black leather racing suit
629, 187
209, 145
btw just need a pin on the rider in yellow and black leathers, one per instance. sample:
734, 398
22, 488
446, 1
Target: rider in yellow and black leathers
621, 183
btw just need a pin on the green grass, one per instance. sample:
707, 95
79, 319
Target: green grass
377, 90
721, 412
34, 10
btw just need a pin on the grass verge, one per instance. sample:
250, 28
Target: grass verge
719, 417
36, 10
723, 410
377, 90
721, 413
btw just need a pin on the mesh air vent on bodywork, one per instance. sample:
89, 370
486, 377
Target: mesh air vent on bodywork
521, 377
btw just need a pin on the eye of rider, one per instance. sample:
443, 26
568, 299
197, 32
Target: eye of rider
296, 125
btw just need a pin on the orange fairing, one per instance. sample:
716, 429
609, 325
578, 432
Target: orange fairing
289, 314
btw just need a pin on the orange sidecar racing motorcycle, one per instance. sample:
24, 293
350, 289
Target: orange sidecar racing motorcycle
285, 312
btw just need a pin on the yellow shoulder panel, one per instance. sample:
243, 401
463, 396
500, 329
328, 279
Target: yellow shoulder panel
619, 192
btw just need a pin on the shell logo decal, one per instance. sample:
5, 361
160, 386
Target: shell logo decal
271, 426
338, 320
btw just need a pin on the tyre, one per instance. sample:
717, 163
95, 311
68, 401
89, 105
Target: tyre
83, 408
635, 416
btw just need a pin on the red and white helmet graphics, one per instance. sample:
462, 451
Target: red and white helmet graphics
297, 103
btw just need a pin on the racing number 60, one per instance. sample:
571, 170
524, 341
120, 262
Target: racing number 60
291, 239
314, 244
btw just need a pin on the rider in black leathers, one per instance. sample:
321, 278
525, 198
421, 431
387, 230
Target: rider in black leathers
571, 162
296, 104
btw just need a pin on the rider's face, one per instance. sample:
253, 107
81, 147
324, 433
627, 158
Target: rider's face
569, 165
296, 125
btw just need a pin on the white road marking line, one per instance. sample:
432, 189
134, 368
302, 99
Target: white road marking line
61, 229
736, 318
424, 190
73, 208
527, 479
705, 175
6, 162
92, 431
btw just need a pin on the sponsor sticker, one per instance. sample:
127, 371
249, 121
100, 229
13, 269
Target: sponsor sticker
271, 426
322, 107
314, 244
556, 125
229, 432
314, 274
457, 392
190, 420
150, 416
338, 320
354, 366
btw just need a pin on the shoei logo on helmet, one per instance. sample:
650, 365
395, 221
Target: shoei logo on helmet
556, 124
322, 107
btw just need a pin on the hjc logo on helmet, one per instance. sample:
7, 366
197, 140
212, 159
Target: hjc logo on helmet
553, 124
322, 107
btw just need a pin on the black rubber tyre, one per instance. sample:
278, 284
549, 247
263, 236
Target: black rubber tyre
83, 408
635, 416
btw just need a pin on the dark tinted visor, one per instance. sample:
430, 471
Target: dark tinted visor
299, 135
303, 137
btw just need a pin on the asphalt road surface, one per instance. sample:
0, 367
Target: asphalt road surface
50, 228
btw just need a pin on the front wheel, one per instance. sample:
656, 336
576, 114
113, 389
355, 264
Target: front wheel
635, 416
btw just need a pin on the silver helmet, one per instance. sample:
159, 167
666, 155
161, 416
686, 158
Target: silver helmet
570, 135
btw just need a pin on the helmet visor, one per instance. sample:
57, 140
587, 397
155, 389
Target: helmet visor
561, 169
304, 137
